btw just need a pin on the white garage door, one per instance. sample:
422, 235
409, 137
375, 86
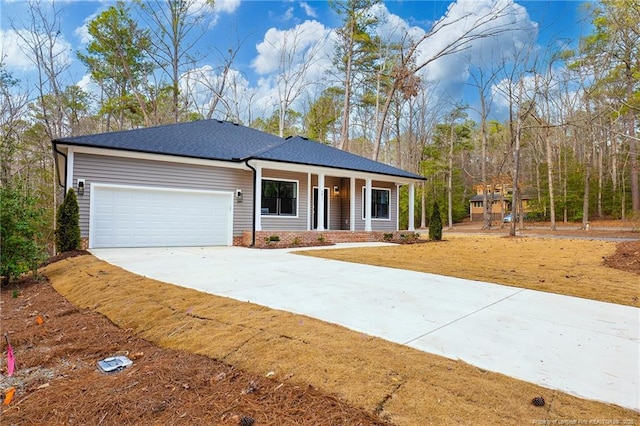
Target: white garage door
126, 216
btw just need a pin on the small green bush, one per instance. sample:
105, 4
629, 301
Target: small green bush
272, 239
411, 237
387, 236
21, 239
68, 232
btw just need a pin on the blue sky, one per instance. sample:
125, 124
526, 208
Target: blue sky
264, 24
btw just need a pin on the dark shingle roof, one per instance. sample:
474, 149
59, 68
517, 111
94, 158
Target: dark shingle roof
225, 141
208, 139
301, 150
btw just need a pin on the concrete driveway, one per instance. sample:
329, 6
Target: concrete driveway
586, 348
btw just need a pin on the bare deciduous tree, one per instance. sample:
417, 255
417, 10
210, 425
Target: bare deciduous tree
174, 24
408, 66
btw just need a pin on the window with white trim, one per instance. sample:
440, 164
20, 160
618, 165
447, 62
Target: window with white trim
380, 207
279, 198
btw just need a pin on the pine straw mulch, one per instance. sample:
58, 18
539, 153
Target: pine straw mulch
57, 381
626, 257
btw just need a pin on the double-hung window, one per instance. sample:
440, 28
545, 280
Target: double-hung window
380, 205
279, 198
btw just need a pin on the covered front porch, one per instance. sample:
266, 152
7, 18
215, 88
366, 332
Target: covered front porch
292, 198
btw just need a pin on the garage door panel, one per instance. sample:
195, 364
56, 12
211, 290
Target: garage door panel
147, 217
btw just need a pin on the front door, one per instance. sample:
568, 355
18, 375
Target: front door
326, 208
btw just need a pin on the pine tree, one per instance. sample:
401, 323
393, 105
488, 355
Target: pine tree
435, 223
68, 232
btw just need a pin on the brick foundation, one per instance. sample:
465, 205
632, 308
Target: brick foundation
305, 238
308, 238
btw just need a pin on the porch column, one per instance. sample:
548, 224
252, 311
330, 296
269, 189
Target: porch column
412, 189
69, 165
367, 207
320, 206
309, 205
258, 199
352, 204
398, 186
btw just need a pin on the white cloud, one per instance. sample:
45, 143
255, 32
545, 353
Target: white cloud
17, 55
288, 15
508, 23
310, 11
220, 7
292, 61
226, 6
87, 84
200, 85
452, 70
393, 28
11, 52
296, 43
82, 32
554, 90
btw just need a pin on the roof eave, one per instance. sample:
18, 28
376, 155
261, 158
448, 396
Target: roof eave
397, 177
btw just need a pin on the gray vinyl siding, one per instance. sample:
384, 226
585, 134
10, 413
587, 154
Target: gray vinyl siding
345, 196
289, 223
335, 212
137, 172
377, 224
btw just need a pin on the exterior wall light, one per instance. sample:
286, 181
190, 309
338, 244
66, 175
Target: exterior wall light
80, 186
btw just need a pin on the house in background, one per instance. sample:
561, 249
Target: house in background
213, 182
500, 196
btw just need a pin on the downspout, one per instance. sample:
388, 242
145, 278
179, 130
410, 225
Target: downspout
253, 207
55, 158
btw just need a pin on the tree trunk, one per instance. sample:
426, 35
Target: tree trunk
585, 199
600, 166
552, 202
346, 107
450, 177
631, 81
486, 204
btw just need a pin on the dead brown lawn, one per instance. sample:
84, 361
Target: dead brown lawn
400, 384
566, 266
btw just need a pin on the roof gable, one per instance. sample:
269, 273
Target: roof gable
225, 141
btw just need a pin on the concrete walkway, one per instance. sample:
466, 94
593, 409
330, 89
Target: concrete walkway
586, 348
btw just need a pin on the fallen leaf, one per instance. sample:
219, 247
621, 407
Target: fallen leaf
8, 395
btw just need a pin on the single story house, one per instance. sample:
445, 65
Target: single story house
214, 182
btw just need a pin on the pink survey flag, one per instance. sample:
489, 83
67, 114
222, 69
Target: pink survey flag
11, 361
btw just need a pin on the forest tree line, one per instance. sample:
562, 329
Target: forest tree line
569, 136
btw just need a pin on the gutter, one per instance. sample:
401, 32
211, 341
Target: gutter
253, 215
